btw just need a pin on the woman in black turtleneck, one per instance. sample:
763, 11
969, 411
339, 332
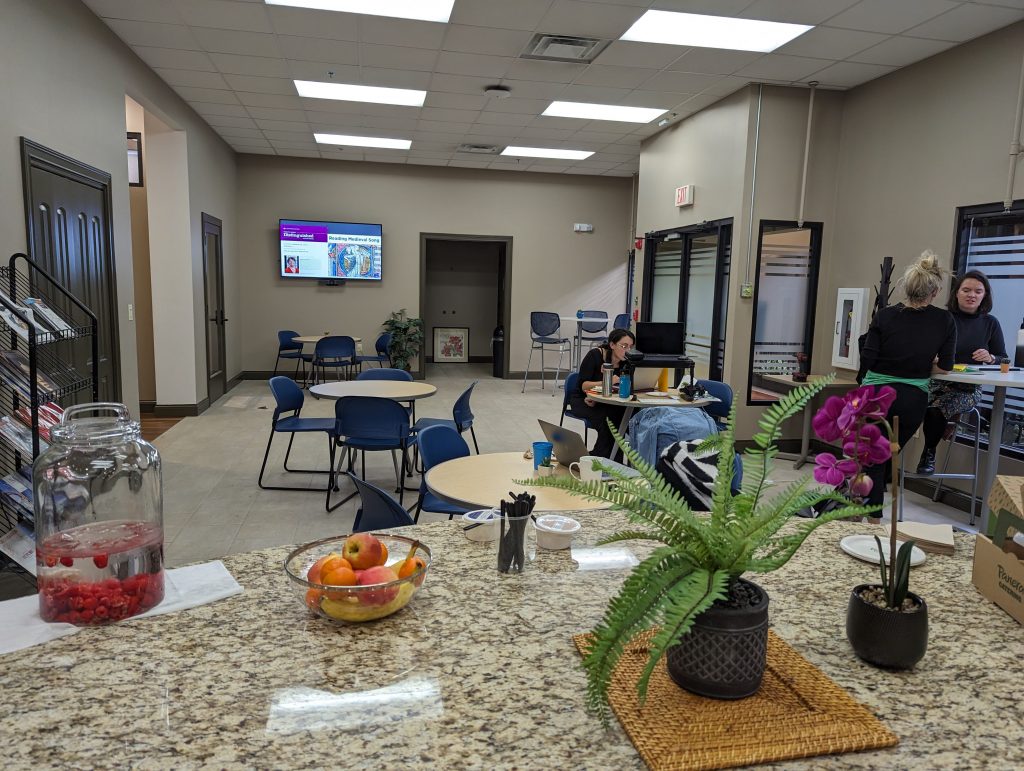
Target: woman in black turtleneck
979, 340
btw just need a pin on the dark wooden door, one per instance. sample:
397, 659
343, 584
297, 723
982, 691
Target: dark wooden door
213, 270
68, 217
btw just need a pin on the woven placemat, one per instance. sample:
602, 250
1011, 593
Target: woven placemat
798, 713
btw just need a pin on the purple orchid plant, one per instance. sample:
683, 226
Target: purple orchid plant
857, 421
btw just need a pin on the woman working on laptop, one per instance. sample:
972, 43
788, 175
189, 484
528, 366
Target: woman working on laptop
612, 352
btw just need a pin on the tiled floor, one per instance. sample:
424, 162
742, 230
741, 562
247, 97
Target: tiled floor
213, 507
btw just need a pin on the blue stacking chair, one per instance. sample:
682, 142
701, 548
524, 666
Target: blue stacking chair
462, 417
333, 352
289, 399
381, 354
438, 444
385, 373
719, 411
570, 386
378, 510
544, 333
369, 424
622, 321
591, 332
287, 348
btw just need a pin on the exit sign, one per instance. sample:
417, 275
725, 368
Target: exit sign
684, 195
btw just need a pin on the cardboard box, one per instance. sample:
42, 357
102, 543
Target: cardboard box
1007, 493
999, 576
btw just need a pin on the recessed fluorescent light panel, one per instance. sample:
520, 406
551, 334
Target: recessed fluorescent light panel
350, 141
547, 152
349, 93
602, 112
421, 10
693, 29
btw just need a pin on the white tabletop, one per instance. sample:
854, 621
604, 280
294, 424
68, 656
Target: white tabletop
310, 339
484, 480
672, 399
399, 390
989, 378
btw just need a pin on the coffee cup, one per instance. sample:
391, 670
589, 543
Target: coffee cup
584, 470
1004, 365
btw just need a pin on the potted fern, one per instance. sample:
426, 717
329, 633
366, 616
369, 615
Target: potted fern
711, 622
406, 338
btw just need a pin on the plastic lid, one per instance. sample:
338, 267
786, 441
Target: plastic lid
556, 523
480, 515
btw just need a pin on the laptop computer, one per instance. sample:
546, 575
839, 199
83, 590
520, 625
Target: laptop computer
568, 446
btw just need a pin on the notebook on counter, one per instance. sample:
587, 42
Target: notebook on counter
935, 539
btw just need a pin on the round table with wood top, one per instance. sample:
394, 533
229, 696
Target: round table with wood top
481, 481
398, 390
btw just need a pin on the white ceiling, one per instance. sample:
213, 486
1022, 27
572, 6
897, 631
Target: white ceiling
234, 62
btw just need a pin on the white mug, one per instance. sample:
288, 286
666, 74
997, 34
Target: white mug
584, 470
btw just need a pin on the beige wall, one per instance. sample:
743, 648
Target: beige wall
552, 267
462, 291
72, 75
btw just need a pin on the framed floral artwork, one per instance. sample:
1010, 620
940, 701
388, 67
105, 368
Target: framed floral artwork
451, 344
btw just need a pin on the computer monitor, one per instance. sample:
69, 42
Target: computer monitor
654, 337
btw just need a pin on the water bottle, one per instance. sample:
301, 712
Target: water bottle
625, 386
607, 371
1018, 358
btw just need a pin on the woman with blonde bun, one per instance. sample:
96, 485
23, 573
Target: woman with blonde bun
906, 344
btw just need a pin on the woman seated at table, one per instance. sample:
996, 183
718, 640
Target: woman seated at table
979, 340
611, 352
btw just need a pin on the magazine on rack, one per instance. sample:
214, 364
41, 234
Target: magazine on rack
46, 315
19, 543
20, 328
19, 436
17, 495
49, 416
14, 368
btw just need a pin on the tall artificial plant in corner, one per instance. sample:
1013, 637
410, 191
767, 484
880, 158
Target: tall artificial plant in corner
694, 575
406, 338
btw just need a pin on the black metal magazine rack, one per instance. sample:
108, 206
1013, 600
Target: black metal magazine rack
49, 350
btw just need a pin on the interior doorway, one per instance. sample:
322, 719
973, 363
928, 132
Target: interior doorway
464, 296
213, 276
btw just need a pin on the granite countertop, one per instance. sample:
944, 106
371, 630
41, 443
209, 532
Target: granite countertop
479, 671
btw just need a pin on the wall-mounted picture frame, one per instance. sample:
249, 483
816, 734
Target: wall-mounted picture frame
451, 344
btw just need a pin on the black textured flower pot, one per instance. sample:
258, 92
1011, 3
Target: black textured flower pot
886, 638
723, 656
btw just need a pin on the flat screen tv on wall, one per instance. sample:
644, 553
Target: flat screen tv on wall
330, 250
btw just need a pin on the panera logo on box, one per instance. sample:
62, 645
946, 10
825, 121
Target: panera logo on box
1010, 585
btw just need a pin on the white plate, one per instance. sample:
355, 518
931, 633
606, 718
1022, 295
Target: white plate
863, 547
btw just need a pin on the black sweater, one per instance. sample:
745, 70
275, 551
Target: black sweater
974, 331
590, 369
903, 341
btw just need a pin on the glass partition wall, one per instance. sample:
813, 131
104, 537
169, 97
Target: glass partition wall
788, 257
687, 279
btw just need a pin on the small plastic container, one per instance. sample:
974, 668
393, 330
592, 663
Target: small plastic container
555, 531
485, 525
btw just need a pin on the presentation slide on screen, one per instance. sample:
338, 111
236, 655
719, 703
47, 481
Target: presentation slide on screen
330, 250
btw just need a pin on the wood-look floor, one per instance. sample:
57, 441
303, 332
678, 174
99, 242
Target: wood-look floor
153, 426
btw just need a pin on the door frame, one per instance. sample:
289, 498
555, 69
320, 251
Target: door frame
212, 222
37, 156
504, 290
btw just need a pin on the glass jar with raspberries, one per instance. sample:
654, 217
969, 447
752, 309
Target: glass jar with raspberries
99, 519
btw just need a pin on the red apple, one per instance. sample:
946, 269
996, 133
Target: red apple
362, 550
378, 575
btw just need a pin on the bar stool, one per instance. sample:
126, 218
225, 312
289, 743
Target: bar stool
544, 333
963, 421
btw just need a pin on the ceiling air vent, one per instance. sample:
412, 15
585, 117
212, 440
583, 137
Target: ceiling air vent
477, 149
563, 48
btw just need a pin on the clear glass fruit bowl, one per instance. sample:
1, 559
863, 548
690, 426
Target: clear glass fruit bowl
355, 604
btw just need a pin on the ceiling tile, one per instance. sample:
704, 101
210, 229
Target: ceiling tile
596, 137
396, 57
796, 11
265, 66
643, 98
228, 41
469, 164
227, 120
505, 118
401, 32
249, 149
679, 82
250, 17
432, 154
437, 125
281, 102
829, 43
563, 123
483, 40
135, 10
240, 133
343, 73
530, 89
888, 16
725, 86
618, 77
593, 94
379, 76
392, 124
259, 85
900, 51
540, 71
190, 94
450, 116
781, 67
171, 58
547, 169
539, 132
967, 22
426, 161
300, 153
714, 61
457, 101
341, 155
144, 33
521, 14
627, 53
506, 129
522, 106
849, 74
271, 113
455, 63
288, 136
458, 84
597, 20
719, 7
212, 108
284, 144
330, 106
318, 49
192, 78
310, 23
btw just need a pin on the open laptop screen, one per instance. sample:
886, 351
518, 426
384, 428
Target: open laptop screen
654, 337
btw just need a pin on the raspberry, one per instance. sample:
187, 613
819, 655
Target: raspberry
67, 561
100, 561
